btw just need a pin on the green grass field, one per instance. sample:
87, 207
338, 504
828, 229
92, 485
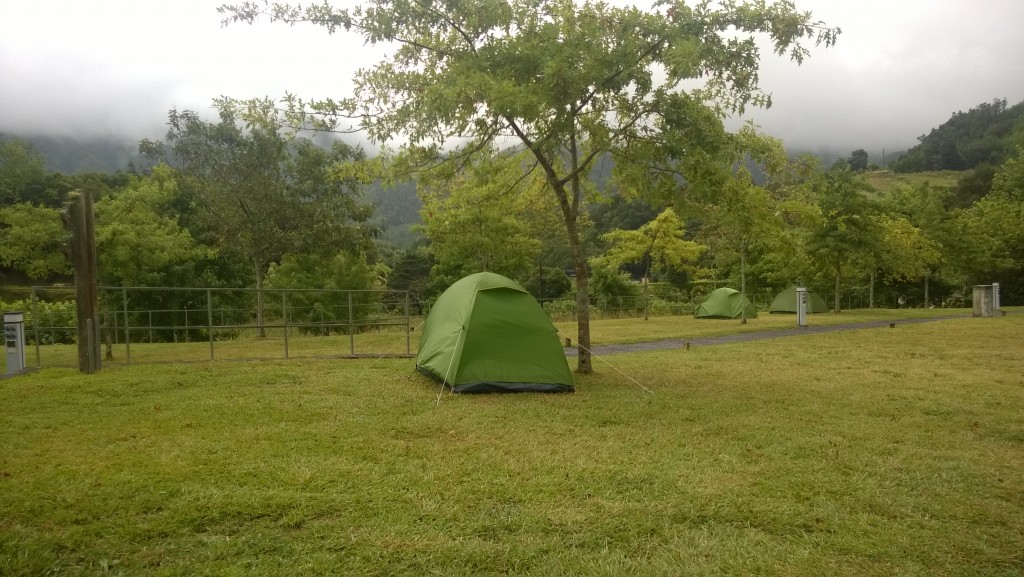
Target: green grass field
871, 452
884, 181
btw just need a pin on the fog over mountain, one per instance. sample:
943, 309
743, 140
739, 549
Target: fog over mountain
115, 67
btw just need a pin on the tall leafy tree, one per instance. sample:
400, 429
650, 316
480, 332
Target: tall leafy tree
33, 240
476, 221
905, 253
992, 240
259, 193
20, 168
741, 221
844, 239
659, 245
140, 241
925, 208
565, 81
858, 160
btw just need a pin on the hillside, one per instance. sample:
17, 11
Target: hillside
987, 134
68, 155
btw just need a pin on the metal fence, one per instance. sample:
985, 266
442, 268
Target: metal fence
171, 324
146, 324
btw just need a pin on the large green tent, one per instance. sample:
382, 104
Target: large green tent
486, 333
785, 302
725, 303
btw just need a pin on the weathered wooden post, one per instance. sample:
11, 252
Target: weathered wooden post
79, 220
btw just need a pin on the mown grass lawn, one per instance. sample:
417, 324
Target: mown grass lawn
874, 452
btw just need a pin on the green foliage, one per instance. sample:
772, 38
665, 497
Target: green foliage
1008, 182
993, 239
75, 154
33, 240
259, 194
396, 210
741, 224
614, 291
617, 212
348, 283
412, 273
842, 242
477, 221
924, 207
548, 283
140, 241
20, 167
905, 253
984, 134
659, 244
972, 186
858, 160
56, 321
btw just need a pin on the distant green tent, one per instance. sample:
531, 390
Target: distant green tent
785, 302
725, 303
487, 334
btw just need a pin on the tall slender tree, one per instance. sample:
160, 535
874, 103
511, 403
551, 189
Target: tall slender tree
566, 81
259, 193
659, 246
846, 235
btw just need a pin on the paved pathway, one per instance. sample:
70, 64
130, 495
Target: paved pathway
755, 336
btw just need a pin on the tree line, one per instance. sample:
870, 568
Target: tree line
504, 111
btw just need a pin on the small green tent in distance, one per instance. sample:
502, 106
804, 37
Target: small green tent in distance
785, 302
487, 334
725, 303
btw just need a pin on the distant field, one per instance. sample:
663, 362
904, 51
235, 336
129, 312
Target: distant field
885, 180
861, 453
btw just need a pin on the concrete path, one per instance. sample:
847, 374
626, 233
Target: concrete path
755, 336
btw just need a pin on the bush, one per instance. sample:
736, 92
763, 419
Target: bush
560, 309
54, 322
329, 310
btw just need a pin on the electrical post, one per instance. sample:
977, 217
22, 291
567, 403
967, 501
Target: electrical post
79, 220
801, 306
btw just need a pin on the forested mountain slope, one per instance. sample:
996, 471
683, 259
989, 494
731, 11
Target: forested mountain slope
986, 134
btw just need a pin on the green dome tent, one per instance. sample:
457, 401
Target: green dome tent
487, 334
725, 303
785, 302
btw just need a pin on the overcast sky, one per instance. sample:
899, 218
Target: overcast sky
115, 67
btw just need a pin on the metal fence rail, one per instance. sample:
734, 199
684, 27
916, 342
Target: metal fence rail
266, 319
137, 323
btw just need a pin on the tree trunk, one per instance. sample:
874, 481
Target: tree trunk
927, 301
571, 210
743, 286
839, 283
570, 206
583, 362
647, 284
261, 330
871, 291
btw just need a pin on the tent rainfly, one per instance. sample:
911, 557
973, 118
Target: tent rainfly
785, 302
487, 334
725, 303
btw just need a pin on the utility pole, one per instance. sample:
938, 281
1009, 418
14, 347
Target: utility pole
79, 220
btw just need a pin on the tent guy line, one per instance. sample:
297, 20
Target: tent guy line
603, 360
